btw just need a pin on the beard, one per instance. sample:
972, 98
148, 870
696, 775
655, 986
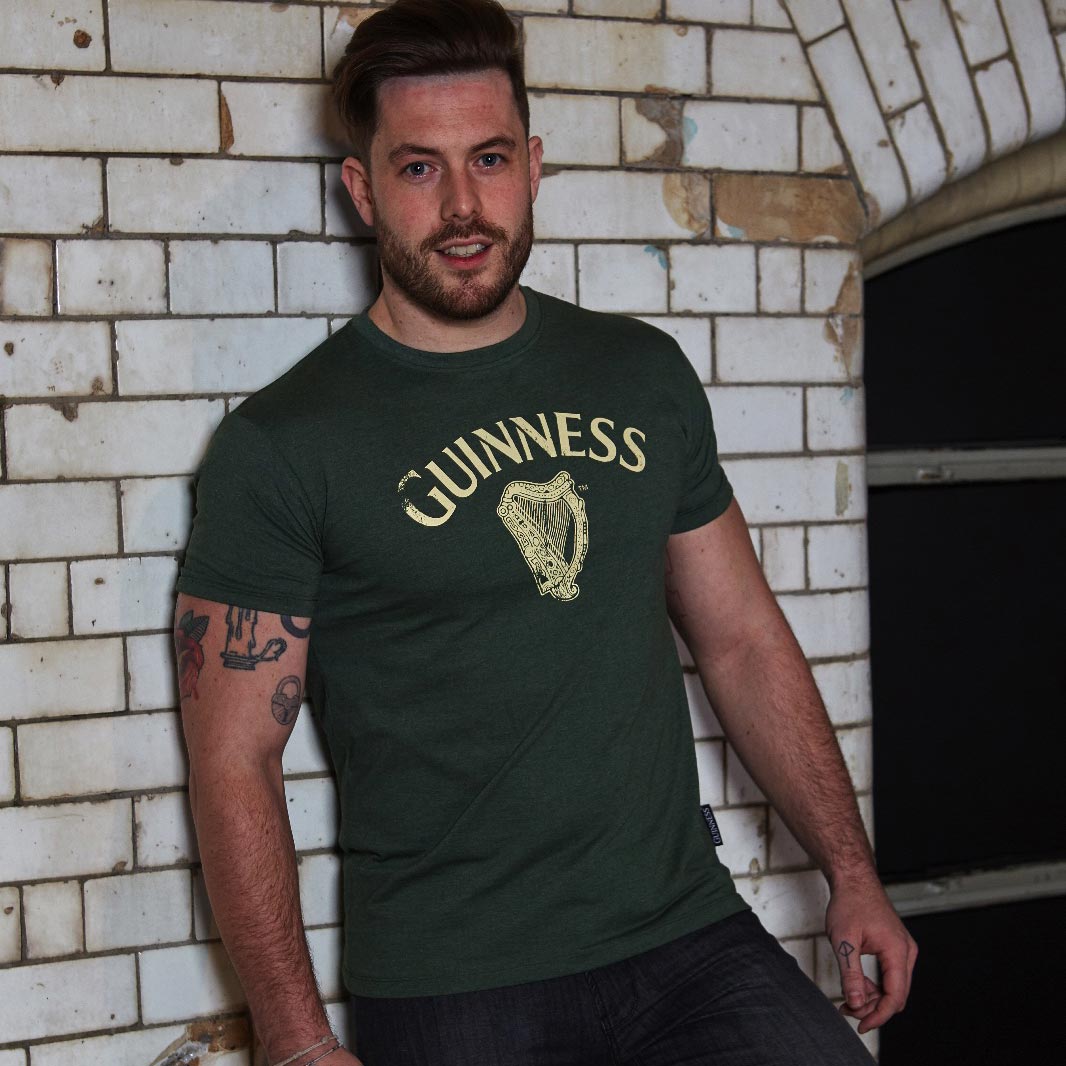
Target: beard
466, 295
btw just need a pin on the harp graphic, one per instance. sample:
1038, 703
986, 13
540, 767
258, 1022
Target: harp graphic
548, 522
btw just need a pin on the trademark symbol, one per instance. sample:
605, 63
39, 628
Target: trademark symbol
582, 488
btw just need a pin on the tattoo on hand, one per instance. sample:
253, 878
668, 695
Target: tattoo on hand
240, 653
293, 629
189, 651
285, 703
846, 950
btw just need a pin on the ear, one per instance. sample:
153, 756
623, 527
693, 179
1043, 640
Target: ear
356, 180
536, 156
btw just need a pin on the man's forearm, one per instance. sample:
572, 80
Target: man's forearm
249, 864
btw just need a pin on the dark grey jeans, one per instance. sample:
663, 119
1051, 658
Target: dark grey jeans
725, 995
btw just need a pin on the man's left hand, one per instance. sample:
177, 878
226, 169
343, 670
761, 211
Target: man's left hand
861, 921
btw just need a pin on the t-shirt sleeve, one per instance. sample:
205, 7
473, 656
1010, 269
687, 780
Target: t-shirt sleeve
255, 538
705, 491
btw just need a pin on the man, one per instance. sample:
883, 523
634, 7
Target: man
462, 522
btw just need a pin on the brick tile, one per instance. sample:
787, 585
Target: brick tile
694, 337
578, 204
342, 220
54, 923
64, 840
550, 269
99, 755
744, 842
38, 34
947, 81
600, 54
856, 745
203, 920
10, 925
576, 129
320, 889
880, 36
13, 1057
150, 661
339, 24
833, 281
55, 359
325, 946
709, 278
772, 207
622, 277
813, 18
625, 9
778, 349
106, 114
126, 439
123, 595
7, 765
836, 418
751, 63
156, 513
38, 600
275, 119
740, 787
837, 556
705, 724
770, 13
819, 149
740, 136
788, 904
312, 805
829, 624
221, 277
306, 752
800, 489
183, 356
784, 557
1003, 105
710, 766
980, 28
785, 851
61, 677
134, 909
133, 1048
845, 688
187, 982
50, 194
780, 280
274, 41
919, 145
736, 12
1041, 72
859, 120
757, 419
77, 996
164, 829
110, 277
25, 277
42, 521
332, 278
213, 196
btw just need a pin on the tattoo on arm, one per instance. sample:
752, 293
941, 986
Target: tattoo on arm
290, 627
285, 703
846, 949
189, 651
240, 651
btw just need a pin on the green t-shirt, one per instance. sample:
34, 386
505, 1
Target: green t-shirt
479, 539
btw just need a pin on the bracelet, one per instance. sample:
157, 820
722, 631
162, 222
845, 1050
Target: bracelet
317, 1044
336, 1047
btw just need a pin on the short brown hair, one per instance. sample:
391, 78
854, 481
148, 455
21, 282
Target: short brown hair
420, 38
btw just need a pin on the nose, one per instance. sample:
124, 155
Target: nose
460, 201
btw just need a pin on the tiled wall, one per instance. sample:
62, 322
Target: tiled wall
173, 234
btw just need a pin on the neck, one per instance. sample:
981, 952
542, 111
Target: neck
404, 321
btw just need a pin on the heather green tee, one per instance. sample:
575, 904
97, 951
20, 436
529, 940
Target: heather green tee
478, 538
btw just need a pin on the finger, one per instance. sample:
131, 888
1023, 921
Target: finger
894, 973
873, 997
852, 979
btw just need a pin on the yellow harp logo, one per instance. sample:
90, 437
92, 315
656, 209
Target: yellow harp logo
548, 522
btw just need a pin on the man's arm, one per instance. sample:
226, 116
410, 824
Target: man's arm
761, 688
241, 677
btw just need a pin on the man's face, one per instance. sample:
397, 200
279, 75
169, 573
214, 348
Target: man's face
450, 191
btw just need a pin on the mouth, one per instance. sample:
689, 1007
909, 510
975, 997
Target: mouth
465, 254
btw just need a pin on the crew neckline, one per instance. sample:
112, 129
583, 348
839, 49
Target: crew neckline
489, 355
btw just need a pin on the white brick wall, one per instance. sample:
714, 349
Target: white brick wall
174, 234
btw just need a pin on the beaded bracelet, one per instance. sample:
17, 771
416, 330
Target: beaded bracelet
336, 1047
317, 1044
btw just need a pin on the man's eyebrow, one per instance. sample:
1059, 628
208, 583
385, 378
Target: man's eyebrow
406, 149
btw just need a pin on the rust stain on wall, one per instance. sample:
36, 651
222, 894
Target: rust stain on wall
849, 297
843, 488
205, 1037
97, 386
688, 199
67, 409
843, 333
9, 347
666, 114
225, 123
82, 39
780, 208
351, 16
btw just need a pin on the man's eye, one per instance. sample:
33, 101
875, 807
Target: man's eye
491, 159
417, 170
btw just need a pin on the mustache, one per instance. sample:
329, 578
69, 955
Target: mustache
455, 233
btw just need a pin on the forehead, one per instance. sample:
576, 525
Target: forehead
438, 108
